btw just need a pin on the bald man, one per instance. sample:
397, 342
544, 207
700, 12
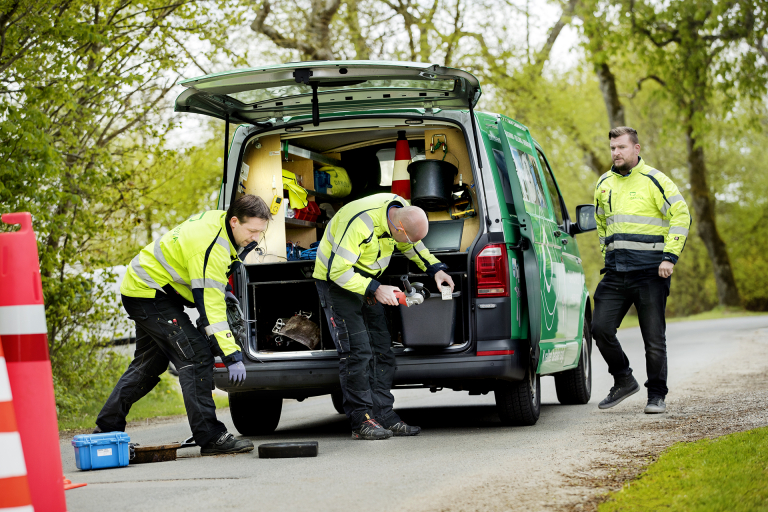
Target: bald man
354, 252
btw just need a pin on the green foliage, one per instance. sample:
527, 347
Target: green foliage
728, 474
83, 98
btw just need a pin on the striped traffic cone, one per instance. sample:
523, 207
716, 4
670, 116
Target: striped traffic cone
14, 489
25, 344
401, 180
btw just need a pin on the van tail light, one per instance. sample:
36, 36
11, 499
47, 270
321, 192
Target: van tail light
232, 283
492, 271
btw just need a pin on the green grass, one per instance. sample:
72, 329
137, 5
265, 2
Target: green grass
729, 473
718, 312
164, 400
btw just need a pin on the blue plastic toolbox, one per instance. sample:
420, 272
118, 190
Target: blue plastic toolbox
100, 451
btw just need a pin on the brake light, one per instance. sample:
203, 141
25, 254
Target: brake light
492, 271
232, 282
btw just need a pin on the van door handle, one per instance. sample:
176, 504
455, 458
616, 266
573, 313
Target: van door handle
557, 232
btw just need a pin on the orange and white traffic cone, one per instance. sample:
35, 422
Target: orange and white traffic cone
14, 488
401, 180
25, 345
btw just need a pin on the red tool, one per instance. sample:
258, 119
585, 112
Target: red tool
413, 295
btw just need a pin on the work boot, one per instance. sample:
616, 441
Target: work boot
226, 443
621, 390
370, 430
655, 405
402, 429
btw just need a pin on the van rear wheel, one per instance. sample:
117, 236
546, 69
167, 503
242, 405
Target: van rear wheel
338, 401
574, 386
519, 403
254, 414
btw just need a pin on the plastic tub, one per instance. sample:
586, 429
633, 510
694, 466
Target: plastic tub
430, 324
101, 451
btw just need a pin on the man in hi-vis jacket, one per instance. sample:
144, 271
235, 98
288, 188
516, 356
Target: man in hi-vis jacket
354, 252
642, 222
187, 267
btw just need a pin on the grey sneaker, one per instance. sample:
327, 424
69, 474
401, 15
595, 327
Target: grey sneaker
226, 443
402, 429
370, 430
619, 392
655, 406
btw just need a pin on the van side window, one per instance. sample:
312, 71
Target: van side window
529, 178
554, 195
501, 165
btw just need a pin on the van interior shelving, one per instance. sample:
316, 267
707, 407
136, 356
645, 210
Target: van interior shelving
278, 288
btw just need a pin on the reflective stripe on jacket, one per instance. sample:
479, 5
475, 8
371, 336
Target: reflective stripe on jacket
194, 259
357, 246
642, 219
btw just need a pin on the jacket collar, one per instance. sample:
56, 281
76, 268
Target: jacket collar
230, 236
639, 164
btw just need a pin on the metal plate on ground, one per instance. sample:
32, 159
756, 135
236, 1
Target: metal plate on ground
288, 450
155, 453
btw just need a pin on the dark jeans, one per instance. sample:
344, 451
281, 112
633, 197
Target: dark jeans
613, 298
366, 361
164, 332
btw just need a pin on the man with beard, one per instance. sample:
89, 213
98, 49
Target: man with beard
642, 224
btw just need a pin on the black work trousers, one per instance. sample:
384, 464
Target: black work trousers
366, 362
165, 333
613, 298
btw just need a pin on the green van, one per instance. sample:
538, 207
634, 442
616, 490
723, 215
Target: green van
500, 224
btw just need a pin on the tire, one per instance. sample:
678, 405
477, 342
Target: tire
574, 387
338, 401
519, 403
255, 415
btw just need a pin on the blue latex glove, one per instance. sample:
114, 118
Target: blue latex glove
229, 296
236, 373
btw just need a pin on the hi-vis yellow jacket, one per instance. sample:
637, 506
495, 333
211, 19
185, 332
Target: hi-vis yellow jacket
641, 218
357, 246
193, 259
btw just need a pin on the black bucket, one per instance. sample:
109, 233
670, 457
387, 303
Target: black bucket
431, 184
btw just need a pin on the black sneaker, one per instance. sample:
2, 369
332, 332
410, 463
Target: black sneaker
655, 406
402, 429
619, 392
370, 430
226, 443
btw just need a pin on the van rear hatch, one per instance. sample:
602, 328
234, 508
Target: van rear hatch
302, 88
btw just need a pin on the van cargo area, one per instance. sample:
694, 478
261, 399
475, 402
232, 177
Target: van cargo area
279, 287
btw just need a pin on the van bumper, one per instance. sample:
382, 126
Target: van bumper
305, 378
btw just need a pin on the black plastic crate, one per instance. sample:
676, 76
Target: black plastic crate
430, 324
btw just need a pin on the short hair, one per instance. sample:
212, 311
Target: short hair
621, 130
248, 206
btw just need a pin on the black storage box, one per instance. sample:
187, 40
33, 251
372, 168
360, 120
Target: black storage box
430, 324
431, 184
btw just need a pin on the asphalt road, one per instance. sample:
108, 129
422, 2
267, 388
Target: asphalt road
462, 442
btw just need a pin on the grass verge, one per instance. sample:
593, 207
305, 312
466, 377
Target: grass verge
718, 312
729, 473
164, 400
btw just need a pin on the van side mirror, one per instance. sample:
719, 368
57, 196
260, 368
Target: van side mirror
585, 219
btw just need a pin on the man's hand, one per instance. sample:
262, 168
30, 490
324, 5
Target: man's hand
386, 295
666, 268
236, 373
229, 296
441, 277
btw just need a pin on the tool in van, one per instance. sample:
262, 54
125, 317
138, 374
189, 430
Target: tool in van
413, 294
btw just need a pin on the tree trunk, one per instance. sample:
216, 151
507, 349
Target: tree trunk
613, 105
706, 226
